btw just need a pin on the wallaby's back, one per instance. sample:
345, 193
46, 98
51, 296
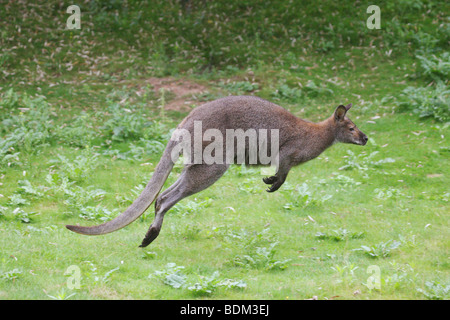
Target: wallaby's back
242, 112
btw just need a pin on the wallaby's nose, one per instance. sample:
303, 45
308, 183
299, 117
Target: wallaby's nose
365, 139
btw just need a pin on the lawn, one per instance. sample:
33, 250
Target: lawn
86, 113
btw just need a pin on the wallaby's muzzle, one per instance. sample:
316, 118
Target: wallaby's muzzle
362, 139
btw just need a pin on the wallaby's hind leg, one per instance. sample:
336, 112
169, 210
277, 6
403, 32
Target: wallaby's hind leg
163, 195
193, 179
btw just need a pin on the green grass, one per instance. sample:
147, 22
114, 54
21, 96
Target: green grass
97, 126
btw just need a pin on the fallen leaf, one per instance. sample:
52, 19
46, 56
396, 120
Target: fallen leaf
434, 175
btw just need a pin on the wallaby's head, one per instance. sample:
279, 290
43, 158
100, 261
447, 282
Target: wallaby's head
346, 130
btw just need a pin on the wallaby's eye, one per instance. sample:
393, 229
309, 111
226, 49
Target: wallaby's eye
352, 129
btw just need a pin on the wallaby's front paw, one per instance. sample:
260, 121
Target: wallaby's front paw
275, 186
275, 182
270, 180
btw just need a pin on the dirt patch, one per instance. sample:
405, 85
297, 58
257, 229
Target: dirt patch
181, 91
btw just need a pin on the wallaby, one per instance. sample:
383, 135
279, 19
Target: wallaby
299, 141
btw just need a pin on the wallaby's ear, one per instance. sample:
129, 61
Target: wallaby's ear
348, 106
340, 112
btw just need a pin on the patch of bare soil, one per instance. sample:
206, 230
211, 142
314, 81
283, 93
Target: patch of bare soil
182, 92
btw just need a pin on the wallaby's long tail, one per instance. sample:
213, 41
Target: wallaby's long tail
138, 207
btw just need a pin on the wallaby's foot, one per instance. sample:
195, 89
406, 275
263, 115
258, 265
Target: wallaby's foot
270, 180
151, 235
